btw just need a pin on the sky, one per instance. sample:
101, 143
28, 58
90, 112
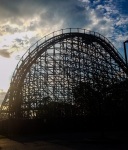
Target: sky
23, 22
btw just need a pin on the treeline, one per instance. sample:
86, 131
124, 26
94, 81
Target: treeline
92, 108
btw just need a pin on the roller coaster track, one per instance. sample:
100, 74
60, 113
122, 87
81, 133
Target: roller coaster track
43, 44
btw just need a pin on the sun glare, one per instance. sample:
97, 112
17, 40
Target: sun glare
7, 66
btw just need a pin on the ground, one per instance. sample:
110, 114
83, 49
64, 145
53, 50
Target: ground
65, 141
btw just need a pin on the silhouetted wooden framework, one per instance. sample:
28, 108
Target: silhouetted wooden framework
50, 70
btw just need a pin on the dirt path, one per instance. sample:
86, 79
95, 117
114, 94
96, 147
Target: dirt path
7, 144
60, 142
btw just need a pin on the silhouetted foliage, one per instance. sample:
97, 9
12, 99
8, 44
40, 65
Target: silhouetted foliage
50, 109
116, 101
108, 105
87, 100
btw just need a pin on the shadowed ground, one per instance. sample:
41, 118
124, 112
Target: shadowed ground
66, 141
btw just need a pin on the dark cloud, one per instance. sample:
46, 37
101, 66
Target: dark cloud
50, 11
71, 12
15, 8
18, 43
5, 53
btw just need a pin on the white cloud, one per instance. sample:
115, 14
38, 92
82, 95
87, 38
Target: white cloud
85, 1
96, 2
122, 21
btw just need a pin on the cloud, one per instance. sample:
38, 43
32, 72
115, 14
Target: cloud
111, 21
50, 12
40, 17
5, 53
43, 17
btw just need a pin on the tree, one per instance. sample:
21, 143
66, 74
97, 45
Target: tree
86, 99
